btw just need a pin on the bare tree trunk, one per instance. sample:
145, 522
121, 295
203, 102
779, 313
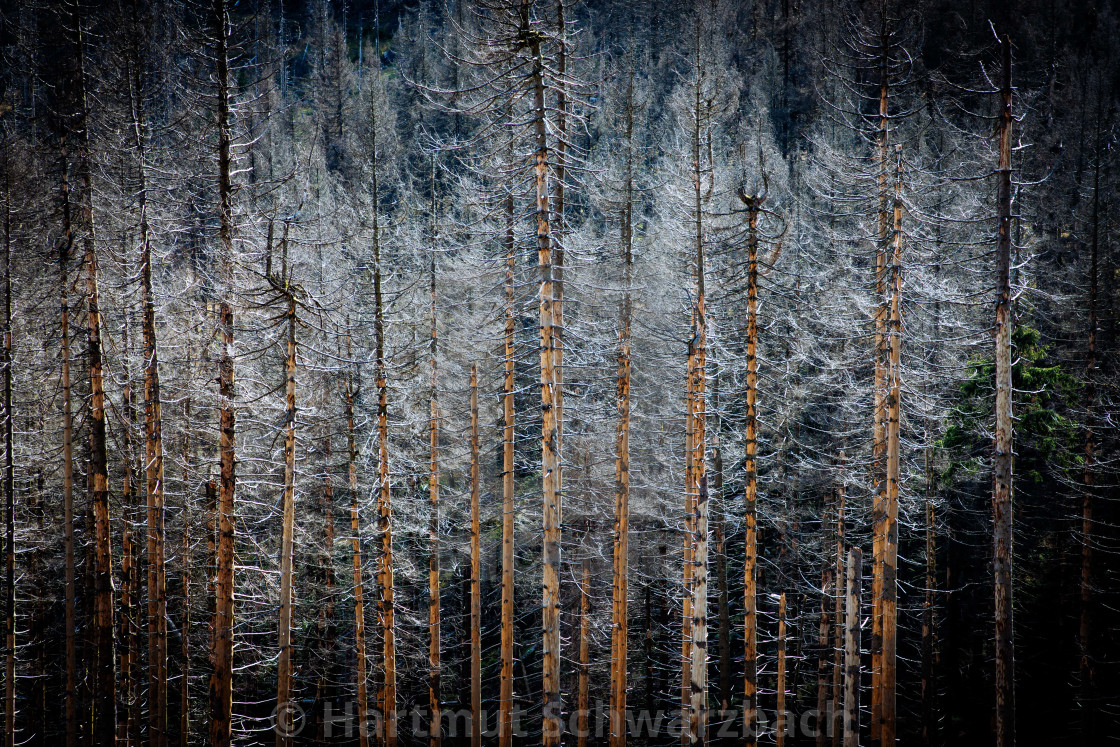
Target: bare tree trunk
68, 460
285, 706
505, 699
476, 572
824, 644
105, 701
356, 554
9, 482
929, 690
889, 591
186, 560
782, 725
221, 655
129, 576
550, 445
620, 585
583, 698
851, 649
153, 449
1002, 488
433, 508
698, 350
838, 646
750, 484
385, 602
879, 415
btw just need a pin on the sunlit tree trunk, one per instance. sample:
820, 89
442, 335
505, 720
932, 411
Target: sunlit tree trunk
476, 572
221, 654
505, 698
356, 555
851, 648
750, 485
285, 706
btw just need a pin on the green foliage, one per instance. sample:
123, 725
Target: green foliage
1045, 438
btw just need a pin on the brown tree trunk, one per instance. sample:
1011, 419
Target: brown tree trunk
221, 654
838, 615
583, 697
65, 247
782, 725
356, 554
1002, 488
750, 484
550, 446
105, 700
620, 585
285, 706
129, 553
929, 691
889, 515
880, 407
851, 648
385, 602
186, 560
433, 508
505, 698
476, 572
9, 482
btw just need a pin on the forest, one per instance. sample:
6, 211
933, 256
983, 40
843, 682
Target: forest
560, 372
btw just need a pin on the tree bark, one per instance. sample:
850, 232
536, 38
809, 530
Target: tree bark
476, 572
221, 655
889, 515
9, 483
64, 251
781, 721
285, 706
356, 554
105, 701
583, 698
851, 648
505, 698
750, 486
620, 585
1002, 487
550, 454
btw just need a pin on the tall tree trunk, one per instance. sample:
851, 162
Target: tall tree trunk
9, 481
68, 459
1002, 488
385, 603
880, 406
356, 554
583, 697
550, 446
782, 725
505, 698
889, 515
750, 483
476, 572
824, 646
433, 506
620, 585
929, 689
186, 564
105, 696
838, 614
129, 577
221, 654
698, 350
851, 648
153, 437
285, 706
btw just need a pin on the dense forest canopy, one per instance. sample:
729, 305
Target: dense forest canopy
560, 372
